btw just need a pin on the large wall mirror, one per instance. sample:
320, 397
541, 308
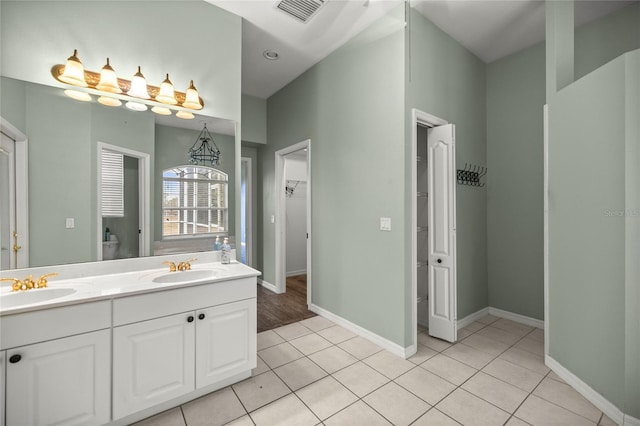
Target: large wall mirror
66, 140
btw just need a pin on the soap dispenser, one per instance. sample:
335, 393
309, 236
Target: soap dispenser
225, 256
216, 245
107, 234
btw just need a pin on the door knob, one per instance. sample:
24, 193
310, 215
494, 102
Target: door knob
439, 260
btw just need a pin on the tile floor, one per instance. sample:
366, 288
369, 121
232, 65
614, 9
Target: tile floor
315, 372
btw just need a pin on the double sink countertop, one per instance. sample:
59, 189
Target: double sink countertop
74, 287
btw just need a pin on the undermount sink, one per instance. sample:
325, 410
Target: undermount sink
186, 276
30, 297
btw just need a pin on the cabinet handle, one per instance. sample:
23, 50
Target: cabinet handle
201, 316
190, 318
439, 260
15, 359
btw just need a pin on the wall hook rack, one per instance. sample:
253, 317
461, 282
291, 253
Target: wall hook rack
471, 175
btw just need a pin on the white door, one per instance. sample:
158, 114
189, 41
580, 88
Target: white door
7, 204
225, 343
65, 381
153, 362
442, 232
3, 355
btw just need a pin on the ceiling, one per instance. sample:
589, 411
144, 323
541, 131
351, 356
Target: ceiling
491, 29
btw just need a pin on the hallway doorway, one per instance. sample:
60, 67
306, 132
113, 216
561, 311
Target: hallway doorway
276, 310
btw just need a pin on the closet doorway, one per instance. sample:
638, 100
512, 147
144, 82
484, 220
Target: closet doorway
434, 291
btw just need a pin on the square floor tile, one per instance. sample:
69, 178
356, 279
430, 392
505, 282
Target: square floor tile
422, 354
486, 344
317, 323
357, 414
285, 411
463, 334
260, 390
471, 410
434, 417
291, 331
606, 421
537, 334
396, 404
360, 379
488, 319
565, 396
499, 335
554, 376
360, 347
497, 392
171, 417
326, 397
514, 421
261, 367
336, 334
217, 408
432, 342
278, 355
242, 421
468, 355
425, 385
267, 339
449, 369
388, 364
300, 373
525, 359
513, 374
310, 343
333, 359
531, 345
537, 411
475, 326
513, 327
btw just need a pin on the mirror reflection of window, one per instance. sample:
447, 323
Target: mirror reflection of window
194, 202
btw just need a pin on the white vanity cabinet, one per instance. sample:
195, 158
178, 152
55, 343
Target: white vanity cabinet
169, 344
57, 379
3, 355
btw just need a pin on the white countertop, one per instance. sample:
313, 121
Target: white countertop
104, 286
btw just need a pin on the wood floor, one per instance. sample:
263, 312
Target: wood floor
276, 310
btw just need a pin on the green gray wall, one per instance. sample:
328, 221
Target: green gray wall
254, 119
171, 147
125, 228
446, 80
588, 219
515, 98
350, 105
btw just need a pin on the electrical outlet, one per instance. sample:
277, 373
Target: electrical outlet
273, 219
385, 224
70, 223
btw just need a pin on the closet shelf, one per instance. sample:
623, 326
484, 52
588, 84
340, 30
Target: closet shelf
421, 229
419, 158
422, 194
422, 263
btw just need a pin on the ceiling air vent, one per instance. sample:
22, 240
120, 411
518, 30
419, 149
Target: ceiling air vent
302, 10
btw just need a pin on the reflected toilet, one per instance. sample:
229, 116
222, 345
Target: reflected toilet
110, 248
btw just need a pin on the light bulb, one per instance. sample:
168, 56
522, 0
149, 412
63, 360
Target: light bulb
105, 100
161, 110
186, 115
167, 94
77, 95
74, 71
108, 80
192, 100
136, 106
139, 86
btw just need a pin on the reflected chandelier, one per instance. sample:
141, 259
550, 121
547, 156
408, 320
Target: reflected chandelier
204, 153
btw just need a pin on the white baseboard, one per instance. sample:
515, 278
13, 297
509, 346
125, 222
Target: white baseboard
294, 273
267, 285
462, 323
589, 393
631, 421
516, 317
392, 347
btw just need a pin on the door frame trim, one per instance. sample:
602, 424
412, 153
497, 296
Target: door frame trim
417, 118
280, 217
22, 180
248, 209
144, 195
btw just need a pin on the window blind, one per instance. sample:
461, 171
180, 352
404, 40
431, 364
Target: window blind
112, 184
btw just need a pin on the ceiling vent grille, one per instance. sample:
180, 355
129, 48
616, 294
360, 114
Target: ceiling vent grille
302, 10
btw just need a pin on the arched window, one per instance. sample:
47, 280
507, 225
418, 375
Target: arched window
194, 201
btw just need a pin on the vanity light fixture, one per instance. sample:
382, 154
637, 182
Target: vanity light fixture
204, 152
137, 94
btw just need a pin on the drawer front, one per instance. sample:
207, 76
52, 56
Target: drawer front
47, 324
143, 307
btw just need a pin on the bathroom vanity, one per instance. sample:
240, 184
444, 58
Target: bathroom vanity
123, 346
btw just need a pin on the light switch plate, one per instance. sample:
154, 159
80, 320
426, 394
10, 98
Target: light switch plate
273, 219
385, 224
71, 222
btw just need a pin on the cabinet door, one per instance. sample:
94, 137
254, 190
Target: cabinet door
225, 342
3, 356
63, 381
153, 362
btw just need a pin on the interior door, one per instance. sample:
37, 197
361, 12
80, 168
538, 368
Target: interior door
7, 203
442, 232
